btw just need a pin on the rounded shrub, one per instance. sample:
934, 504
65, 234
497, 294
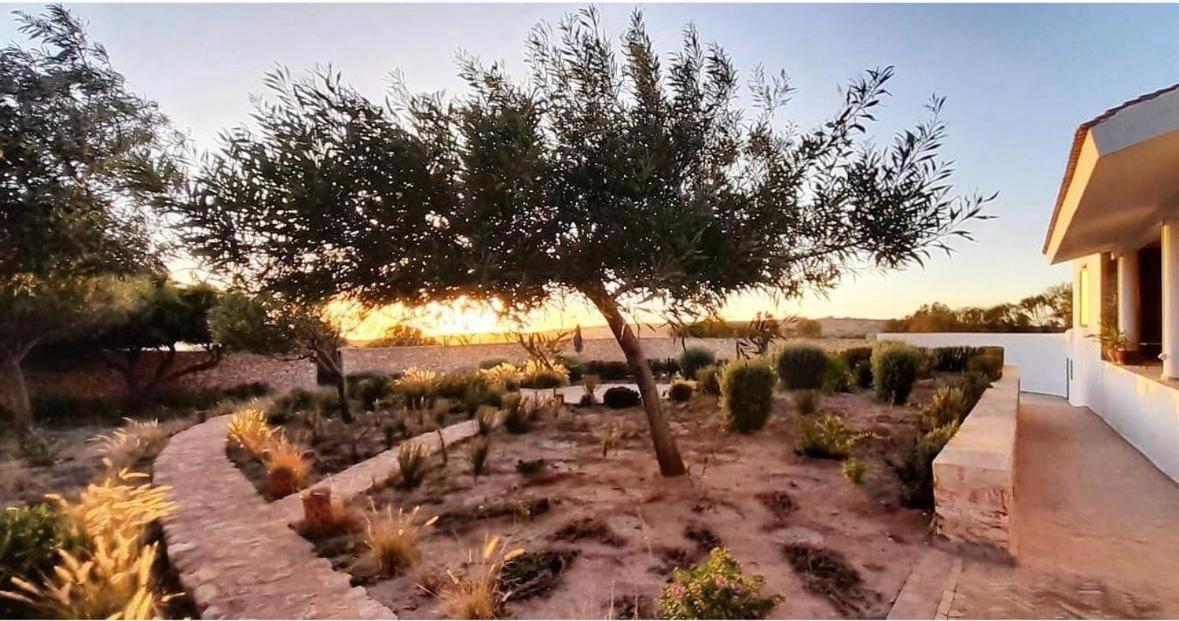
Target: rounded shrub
708, 380
747, 394
836, 378
862, 373
894, 371
694, 359
680, 390
619, 397
802, 367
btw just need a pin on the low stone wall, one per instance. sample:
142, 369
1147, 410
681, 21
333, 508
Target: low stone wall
95, 380
456, 357
974, 475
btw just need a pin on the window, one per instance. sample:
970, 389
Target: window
1083, 296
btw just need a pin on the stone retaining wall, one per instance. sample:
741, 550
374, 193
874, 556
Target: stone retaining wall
95, 380
974, 475
452, 358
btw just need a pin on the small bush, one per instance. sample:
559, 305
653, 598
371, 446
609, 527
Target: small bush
29, 540
419, 387
946, 407
862, 373
665, 367
855, 355
853, 470
287, 466
618, 397
826, 437
391, 539
504, 375
952, 359
491, 363
589, 384
611, 439
973, 385
988, 362
708, 380
802, 367
914, 467
372, 389
694, 359
515, 418
37, 448
680, 390
477, 594
537, 375
486, 419
480, 395
894, 371
131, 443
716, 589
608, 370
836, 378
480, 450
412, 460
747, 394
530, 467
572, 364
249, 430
807, 401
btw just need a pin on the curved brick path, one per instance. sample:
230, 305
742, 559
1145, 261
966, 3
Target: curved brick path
236, 553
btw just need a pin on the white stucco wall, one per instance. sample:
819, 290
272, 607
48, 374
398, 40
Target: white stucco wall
1042, 358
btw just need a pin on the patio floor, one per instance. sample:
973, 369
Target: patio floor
1098, 527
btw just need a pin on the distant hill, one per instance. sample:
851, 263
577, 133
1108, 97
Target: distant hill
842, 327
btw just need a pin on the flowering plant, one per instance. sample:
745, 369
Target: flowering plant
716, 589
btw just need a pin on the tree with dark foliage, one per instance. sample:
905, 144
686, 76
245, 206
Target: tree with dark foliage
613, 174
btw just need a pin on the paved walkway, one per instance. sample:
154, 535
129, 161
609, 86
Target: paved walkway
236, 553
1097, 527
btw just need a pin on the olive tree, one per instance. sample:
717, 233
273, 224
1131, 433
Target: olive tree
79, 156
609, 172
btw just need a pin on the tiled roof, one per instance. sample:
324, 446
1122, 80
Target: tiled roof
1079, 139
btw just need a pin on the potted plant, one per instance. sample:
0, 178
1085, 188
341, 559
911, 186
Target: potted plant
1113, 343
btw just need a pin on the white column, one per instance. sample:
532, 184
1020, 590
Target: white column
1170, 300
1129, 299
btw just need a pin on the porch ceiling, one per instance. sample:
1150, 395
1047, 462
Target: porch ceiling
1122, 180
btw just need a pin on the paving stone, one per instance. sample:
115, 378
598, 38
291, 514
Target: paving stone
236, 553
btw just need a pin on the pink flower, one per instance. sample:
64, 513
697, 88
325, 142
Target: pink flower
721, 582
677, 590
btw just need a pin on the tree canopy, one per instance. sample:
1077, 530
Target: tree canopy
1048, 311
609, 171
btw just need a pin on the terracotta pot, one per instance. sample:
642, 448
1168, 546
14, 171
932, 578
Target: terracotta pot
1117, 356
280, 482
317, 508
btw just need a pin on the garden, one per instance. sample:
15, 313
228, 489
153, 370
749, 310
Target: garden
808, 492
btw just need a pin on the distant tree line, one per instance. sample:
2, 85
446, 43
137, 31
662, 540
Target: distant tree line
1048, 311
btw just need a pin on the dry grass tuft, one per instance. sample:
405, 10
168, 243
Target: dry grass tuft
477, 594
248, 429
413, 464
287, 465
131, 443
392, 539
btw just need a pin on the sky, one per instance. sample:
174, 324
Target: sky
1018, 80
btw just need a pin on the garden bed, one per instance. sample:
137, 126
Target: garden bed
602, 535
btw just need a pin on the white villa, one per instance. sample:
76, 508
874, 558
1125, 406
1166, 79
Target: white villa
1117, 220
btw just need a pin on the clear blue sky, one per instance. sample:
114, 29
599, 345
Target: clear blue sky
1018, 79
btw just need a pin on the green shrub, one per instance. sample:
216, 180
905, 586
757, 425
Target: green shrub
486, 419
607, 370
680, 390
836, 378
853, 470
855, 355
37, 448
618, 397
694, 359
539, 376
481, 394
952, 359
708, 380
973, 385
515, 418
747, 394
914, 466
826, 437
249, 390
946, 407
572, 364
665, 367
369, 390
802, 367
807, 401
715, 589
413, 461
987, 362
480, 450
454, 385
29, 540
862, 373
491, 363
894, 371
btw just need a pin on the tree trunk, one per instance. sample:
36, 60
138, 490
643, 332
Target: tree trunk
670, 463
12, 389
329, 359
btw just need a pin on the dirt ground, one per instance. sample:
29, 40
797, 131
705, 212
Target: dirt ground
602, 534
